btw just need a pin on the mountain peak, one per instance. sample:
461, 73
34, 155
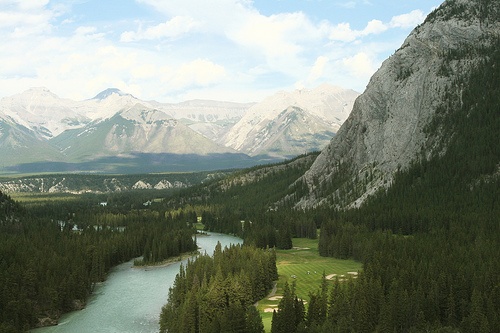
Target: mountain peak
110, 91
39, 91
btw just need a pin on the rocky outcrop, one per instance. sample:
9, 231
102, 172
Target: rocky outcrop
386, 129
78, 184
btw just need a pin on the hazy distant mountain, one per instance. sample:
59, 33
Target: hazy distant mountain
138, 129
19, 144
210, 118
39, 127
109, 92
291, 123
43, 112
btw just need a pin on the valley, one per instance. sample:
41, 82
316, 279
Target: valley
391, 226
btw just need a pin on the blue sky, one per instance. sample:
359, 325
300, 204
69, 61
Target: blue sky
175, 50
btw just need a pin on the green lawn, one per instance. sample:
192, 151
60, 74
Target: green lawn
304, 266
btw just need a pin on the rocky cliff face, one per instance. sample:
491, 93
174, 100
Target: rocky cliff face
386, 129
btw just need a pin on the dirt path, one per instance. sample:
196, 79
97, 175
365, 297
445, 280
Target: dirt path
271, 294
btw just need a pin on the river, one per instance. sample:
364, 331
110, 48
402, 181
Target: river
130, 300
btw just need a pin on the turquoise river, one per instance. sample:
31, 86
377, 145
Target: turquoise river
130, 300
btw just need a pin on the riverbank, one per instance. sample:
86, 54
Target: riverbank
138, 263
131, 298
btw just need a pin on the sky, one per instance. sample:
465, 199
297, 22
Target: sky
177, 50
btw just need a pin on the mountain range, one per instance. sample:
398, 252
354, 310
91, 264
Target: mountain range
117, 132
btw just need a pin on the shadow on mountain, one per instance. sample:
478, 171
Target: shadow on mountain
147, 163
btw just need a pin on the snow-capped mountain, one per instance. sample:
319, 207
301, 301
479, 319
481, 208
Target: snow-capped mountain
138, 129
109, 92
310, 117
38, 126
43, 112
107, 103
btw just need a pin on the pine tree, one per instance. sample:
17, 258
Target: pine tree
254, 322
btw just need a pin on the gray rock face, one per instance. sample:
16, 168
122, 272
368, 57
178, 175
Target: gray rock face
385, 131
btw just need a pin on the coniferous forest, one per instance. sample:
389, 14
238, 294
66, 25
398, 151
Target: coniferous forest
53, 254
216, 293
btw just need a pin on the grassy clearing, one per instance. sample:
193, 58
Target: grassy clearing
304, 266
43, 197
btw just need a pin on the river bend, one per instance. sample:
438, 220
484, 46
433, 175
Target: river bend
130, 300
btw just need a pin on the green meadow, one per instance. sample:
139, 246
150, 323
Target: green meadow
304, 266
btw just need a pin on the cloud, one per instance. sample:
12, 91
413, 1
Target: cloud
360, 65
274, 36
88, 32
409, 20
348, 4
22, 18
232, 47
374, 27
172, 29
353, 4
318, 68
24, 4
342, 32
316, 73
200, 72
217, 16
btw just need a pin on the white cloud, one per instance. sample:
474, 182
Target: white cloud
342, 32
16, 19
232, 48
23, 18
348, 4
360, 65
88, 33
316, 74
200, 72
24, 4
409, 20
274, 36
174, 28
85, 30
318, 68
276, 40
374, 27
